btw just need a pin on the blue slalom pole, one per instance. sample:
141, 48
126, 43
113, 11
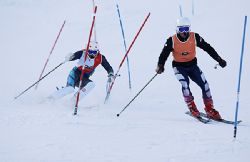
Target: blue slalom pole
239, 79
193, 7
125, 45
180, 10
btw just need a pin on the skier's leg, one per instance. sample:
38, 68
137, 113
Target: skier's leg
209, 108
72, 80
182, 76
74, 77
61, 93
199, 78
87, 86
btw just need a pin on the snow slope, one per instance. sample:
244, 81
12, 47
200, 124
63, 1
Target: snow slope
154, 127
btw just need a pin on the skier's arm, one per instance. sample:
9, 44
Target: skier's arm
77, 55
167, 49
106, 65
201, 43
74, 56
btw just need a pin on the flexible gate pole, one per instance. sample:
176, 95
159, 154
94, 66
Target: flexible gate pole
85, 57
95, 38
110, 88
52, 49
124, 43
239, 79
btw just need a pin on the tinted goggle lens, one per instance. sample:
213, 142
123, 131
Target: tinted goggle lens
183, 29
92, 53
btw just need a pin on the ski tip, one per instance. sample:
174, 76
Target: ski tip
117, 115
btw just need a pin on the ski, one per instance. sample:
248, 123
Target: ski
221, 120
199, 118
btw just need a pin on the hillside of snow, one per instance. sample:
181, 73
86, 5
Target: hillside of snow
154, 127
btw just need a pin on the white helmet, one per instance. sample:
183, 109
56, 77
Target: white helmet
93, 49
182, 22
93, 46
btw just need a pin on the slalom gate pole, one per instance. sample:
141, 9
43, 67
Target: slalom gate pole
124, 43
136, 95
38, 81
180, 10
239, 79
85, 57
93, 2
193, 7
52, 49
110, 88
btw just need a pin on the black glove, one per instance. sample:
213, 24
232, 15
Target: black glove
222, 63
160, 69
111, 77
111, 74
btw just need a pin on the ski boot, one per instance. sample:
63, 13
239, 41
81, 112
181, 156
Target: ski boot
193, 109
210, 111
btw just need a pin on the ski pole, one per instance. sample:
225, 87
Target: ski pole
124, 43
110, 88
136, 95
85, 57
38, 80
216, 66
239, 79
52, 49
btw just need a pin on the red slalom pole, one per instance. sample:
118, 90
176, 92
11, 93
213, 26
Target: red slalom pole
116, 74
52, 49
85, 57
93, 2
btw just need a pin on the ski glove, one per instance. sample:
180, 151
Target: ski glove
160, 69
111, 77
222, 63
69, 57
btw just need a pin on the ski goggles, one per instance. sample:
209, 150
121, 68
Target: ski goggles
92, 53
182, 29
